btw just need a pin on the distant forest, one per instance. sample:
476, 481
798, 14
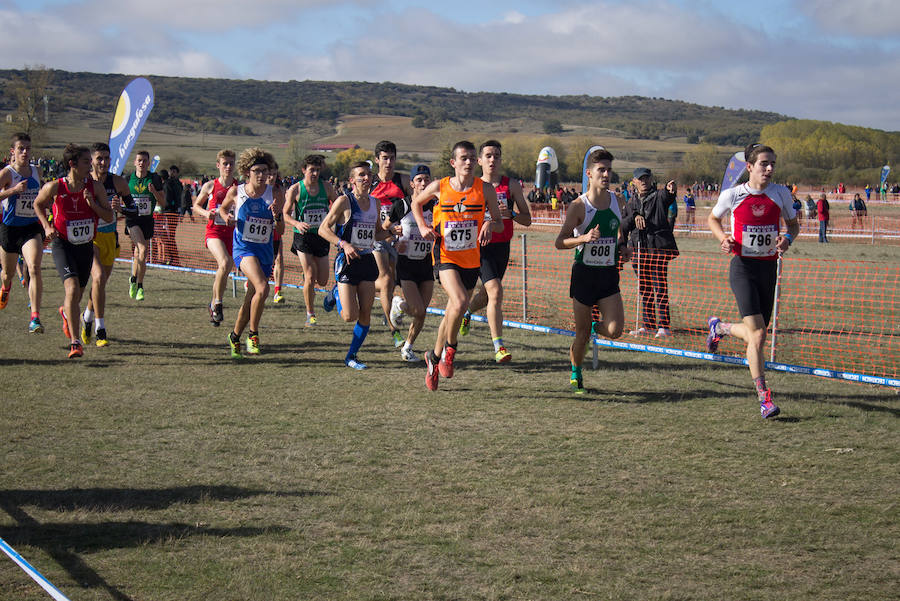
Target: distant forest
224, 106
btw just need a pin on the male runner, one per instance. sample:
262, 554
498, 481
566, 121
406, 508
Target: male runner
415, 268
146, 191
389, 186
219, 235
355, 270
21, 232
305, 207
495, 255
593, 228
757, 208
106, 244
254, 209
460, 224
77, 202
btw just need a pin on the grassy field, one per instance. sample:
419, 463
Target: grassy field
158, 469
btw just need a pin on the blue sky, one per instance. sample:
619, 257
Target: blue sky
819, 59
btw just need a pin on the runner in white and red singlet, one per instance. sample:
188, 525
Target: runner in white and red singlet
757, 208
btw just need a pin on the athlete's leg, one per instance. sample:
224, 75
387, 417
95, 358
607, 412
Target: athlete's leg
32, 252
457, 303
258, 289
73, 292
752, 330
479, 300
8, 263
612, 314
311, 275
365, 294
494, 289
224, 265
349, 302
418, 297
278, 270
139, 265
385, 284
582, 315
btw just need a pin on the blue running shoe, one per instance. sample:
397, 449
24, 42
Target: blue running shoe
713, 338
330, 300
355, 363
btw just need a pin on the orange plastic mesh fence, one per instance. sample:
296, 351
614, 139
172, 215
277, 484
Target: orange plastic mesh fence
839, 315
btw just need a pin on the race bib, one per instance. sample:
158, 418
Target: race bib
25, 204
758, 240
363, 236
80, 231
460, 235
601, 253
314, 217
257, 229
417, 247
143, 205
385, 212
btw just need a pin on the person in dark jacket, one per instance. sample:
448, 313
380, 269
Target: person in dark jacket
649, 230
172, 188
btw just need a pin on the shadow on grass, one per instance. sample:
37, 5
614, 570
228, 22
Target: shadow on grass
63, 541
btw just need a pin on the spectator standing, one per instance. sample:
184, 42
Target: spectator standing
648, 228
172, 189
823, 214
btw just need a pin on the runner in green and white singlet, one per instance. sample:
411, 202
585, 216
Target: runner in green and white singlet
592, 228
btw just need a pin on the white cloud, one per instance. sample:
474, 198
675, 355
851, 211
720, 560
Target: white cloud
859, 17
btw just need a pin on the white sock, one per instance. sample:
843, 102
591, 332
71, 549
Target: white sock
88, 315
99, 325
407, 345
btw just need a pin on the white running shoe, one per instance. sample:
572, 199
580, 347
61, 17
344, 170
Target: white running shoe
408, 354
663, 333
396, 311
639, 332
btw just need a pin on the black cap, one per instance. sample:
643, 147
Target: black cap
419, 170
641, 172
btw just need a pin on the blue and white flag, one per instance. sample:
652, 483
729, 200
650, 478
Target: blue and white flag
154, 163
132, 111
884, 173
736, 167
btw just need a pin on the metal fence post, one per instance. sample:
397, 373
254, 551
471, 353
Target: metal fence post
524, 278
775, 309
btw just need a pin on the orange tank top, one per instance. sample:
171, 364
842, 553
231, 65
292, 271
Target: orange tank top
458, 217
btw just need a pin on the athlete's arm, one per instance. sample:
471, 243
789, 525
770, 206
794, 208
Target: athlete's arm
329, 191
202, 200
96, 199
565, 240
5, 180
784, 242
123, 194
338, 213
157, 194
523, 210
42, 205
290, 202
227, 204
496, 222
419, 200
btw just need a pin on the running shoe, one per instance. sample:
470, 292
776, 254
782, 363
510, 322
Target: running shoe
139, 295
253, 344
279, 298
101, 337
713, 338
431, 371
396, 311
330, 300
663, 333
639, 332
86, 331
35, 326
212, 316
445, 365
355, 363
132, 289
502, 355
766, 407
577, 384
464, 326
409, 355
62, 313
218, 314
4, 297
398, 338
235, 344
311, 320
75, 350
